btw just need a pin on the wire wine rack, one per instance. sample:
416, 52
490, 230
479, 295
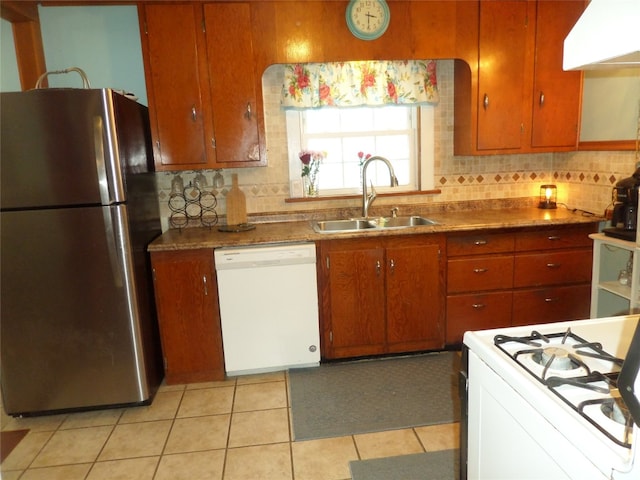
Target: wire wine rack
193, 203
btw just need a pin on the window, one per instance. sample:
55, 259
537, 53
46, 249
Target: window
402, 134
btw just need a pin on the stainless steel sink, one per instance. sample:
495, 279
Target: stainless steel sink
400, 222
369, 224
336, 226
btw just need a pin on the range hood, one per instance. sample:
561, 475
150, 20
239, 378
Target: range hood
607, 35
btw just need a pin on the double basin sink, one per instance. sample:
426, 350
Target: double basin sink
370, 224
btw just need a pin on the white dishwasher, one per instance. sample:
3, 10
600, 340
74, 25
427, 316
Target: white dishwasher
268, 307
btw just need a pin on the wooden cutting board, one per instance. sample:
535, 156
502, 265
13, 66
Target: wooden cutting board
236, 203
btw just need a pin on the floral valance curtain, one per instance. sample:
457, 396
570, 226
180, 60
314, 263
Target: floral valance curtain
364, 83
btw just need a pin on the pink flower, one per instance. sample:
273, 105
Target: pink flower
305, 158
363, 157
391, 89
368, 80
325, 94
302, 76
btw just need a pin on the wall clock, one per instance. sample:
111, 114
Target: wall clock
367, 19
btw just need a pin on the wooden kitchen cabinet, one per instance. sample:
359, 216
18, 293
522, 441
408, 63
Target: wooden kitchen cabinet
414, 297
517, 278
381, 295
556, 94
188, 315
202, 88
517, 98
479, 282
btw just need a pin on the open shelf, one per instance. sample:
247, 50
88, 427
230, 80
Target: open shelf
610, 256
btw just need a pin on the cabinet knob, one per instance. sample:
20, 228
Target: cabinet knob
553, 265
541, 99
194, 114
378, 267
553, 238
550, 299
247, 113
478, 305
485, 101
480, 270
392, 265
480, 242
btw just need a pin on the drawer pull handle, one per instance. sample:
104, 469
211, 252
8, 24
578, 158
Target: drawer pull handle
480, 242
485, 101
550, 299
553, 265
553, 237
206, 288
478, 305
392, 265
480, 270
378, 267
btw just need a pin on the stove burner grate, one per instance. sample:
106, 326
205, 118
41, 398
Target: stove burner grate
615, 410
579, 348
547, 349
587, 382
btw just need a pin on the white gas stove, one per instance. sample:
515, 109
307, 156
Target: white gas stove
542, 402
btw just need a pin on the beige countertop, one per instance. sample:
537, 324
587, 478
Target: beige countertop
297, 231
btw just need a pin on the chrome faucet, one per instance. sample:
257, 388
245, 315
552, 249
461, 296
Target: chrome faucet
367, 199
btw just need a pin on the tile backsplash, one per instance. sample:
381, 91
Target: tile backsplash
584, 179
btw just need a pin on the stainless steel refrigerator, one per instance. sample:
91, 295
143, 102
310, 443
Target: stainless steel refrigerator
78, 207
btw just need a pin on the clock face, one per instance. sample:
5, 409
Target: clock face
367, 19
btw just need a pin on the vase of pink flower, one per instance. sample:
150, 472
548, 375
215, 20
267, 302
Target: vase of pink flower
362, 157
311, 161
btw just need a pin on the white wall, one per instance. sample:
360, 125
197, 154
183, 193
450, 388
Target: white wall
104, 41
610, 105
9, 79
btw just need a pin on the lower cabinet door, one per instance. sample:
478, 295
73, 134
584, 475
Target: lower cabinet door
477, 312
187, 303
414, 300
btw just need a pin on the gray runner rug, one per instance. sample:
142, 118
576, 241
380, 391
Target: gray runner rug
440, 465
365, 396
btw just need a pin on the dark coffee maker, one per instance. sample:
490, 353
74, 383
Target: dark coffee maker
625, 208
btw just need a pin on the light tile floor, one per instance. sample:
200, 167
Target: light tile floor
233, 430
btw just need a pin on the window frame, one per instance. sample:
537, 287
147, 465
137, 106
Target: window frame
423, 153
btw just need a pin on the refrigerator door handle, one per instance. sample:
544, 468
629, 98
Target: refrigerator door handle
98, 140
112, 161
117, 264
107, 140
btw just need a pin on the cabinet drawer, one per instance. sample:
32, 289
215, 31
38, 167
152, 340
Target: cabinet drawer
480, 244
554, 268
551, 304
476, 312
553, 239
573, 266
479, 273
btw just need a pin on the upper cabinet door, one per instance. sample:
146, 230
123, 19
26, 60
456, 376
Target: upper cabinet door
501, 82
172, 43
237, 109
556, 93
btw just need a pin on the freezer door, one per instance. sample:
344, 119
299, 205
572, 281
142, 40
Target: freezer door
75, 330
66, 147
